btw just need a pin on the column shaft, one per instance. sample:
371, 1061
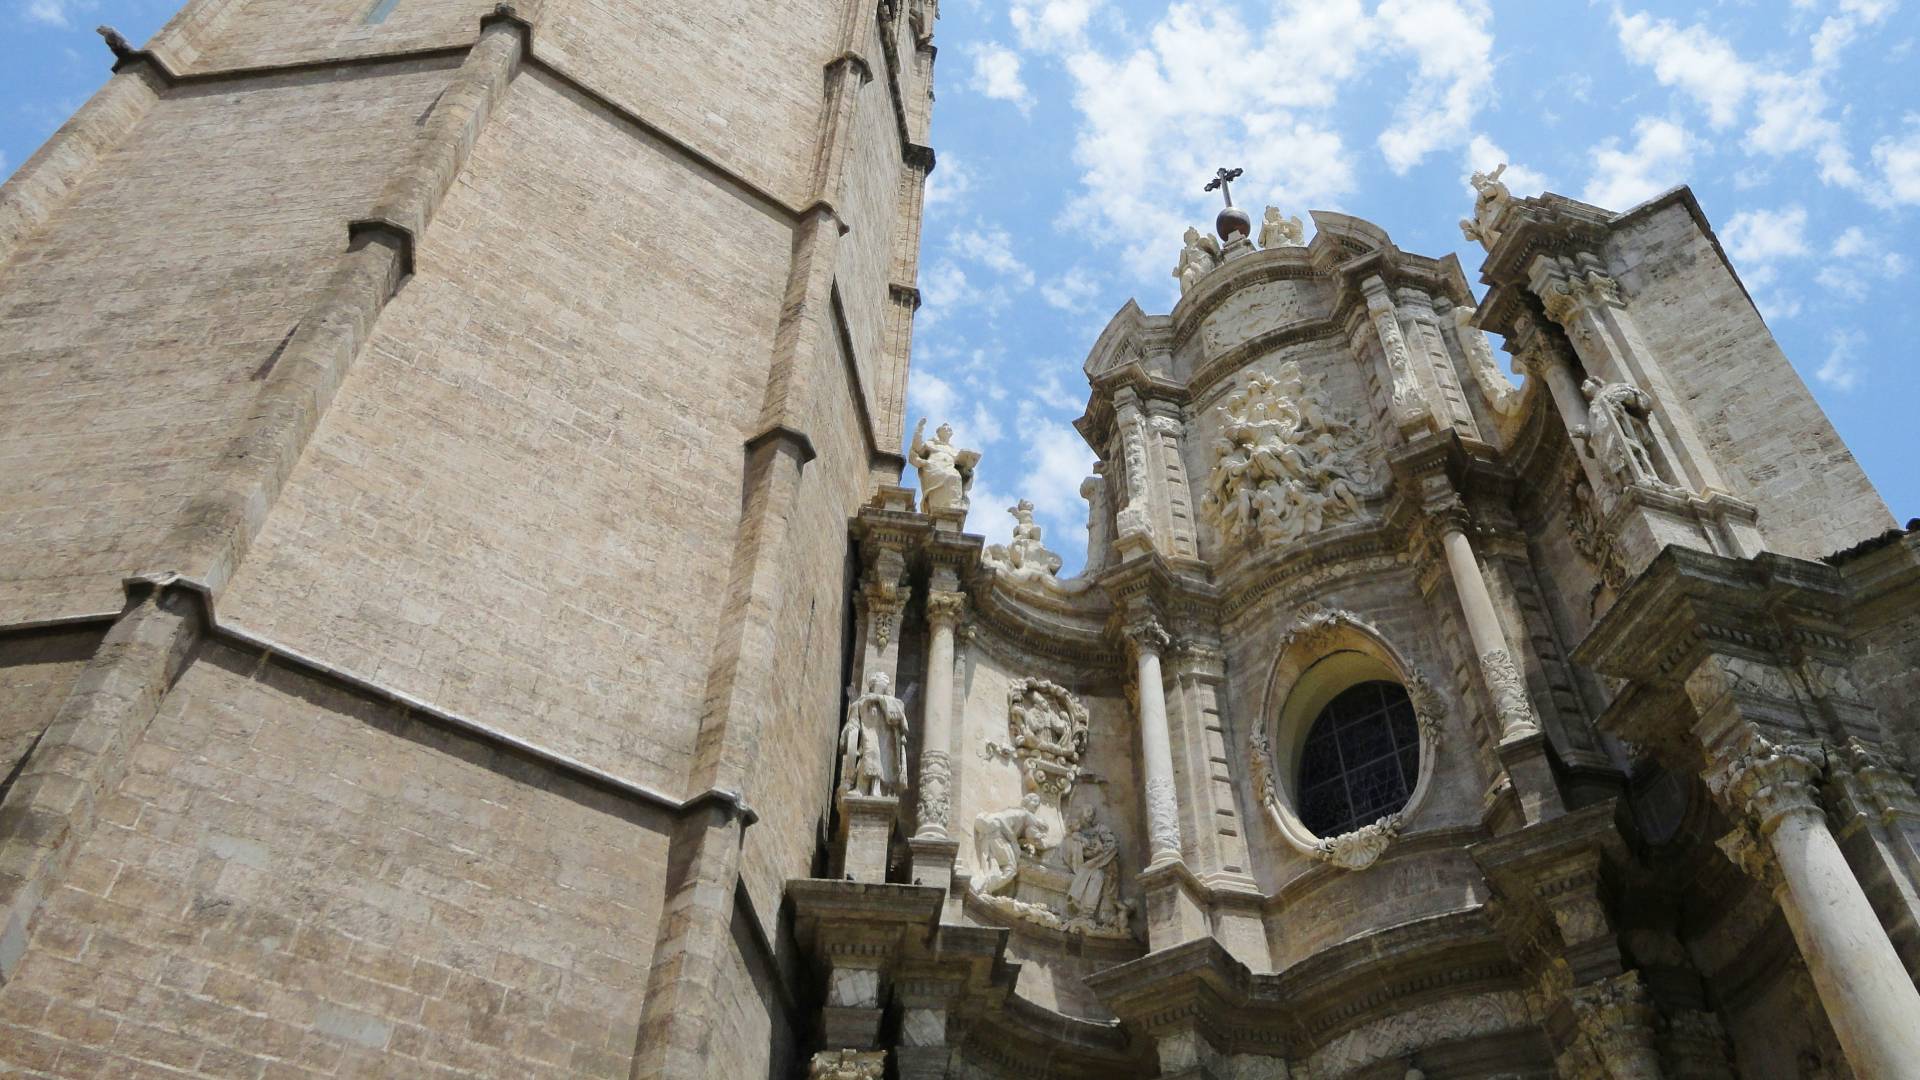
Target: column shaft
1156, 752
1502, 676
1872, 1003
936, 738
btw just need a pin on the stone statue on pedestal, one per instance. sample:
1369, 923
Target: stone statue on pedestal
1025, 558
1276, 231
946, 471
1201, 254
873, 744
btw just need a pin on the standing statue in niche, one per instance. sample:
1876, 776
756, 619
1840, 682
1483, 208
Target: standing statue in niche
1619, 432
873, 744
1088, 852
998, 839
1490, 200
946, 471
1276, 231
1201, 254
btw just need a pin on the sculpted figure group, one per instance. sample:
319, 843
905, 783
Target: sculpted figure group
1284, 466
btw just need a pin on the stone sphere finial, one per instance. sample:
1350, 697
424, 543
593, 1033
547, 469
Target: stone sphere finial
1233, 224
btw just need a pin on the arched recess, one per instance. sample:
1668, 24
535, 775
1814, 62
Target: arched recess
1325, 653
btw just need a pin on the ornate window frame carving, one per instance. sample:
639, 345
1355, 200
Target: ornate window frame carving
1325, 652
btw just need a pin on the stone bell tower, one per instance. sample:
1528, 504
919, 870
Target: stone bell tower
429, 432
1406, 722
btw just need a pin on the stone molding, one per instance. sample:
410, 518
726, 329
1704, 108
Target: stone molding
1314, 631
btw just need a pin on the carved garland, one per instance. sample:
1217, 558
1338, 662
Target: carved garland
1314, 628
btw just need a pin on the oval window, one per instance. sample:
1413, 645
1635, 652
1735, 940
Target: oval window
1361, 759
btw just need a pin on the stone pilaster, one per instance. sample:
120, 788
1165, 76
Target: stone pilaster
882, 598
1170, 495
926, 1019
1205, 778
1411, 411
1422, 322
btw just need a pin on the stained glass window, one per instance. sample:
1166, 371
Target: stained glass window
1360, 760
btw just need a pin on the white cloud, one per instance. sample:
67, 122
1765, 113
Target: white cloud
1697, 62
1862, 264
948, 183
1898, 159
996, 74
1841, 368
54, 12
1483, 154
1762, 236
983, 426
1659, 158
1788, 108
943, 287
929, 394
1157, 117
1757, 241
1453, 55
1049, 24
992, 248
1071, 291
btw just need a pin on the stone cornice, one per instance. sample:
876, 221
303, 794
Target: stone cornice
1688, 603
1293, 1012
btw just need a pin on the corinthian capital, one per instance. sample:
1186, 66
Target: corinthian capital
1763, 781
1147, 635
944, 606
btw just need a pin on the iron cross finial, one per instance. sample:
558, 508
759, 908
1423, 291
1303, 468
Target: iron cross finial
1222, 180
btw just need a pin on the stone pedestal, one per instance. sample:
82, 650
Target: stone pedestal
933, 858
864, 840
1175, 908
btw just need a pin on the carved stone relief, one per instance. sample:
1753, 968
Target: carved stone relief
848, 1065
1285, 465
1494, 385
1276, 231
1070, 885
1591, 539
1252, 310
1620, 436
1047, 735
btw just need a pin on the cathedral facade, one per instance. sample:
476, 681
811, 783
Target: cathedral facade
460, 612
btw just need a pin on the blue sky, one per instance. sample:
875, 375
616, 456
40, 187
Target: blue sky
1074, 136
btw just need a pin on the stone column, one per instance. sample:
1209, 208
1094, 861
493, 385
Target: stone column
1504, 685
1156, 745
944, 609
1538, 353
1783, 840
1411, 412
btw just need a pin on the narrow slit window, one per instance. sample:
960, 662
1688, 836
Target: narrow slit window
380, 10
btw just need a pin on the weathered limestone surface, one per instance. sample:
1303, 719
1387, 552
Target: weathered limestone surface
126, 329
1760, 419
503, 463
293, 877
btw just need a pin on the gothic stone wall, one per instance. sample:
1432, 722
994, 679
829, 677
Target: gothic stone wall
294, 880
133, 326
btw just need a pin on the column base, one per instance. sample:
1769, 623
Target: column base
1534, 786
863, 845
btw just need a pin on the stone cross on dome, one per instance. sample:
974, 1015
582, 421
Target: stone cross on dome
1233, 222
